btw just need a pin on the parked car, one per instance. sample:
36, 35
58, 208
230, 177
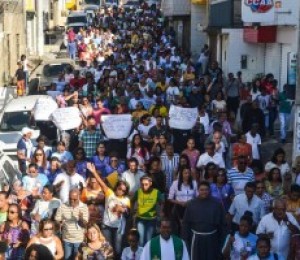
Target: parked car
9, 171
77, 20
46, 73
132, 4
17, 114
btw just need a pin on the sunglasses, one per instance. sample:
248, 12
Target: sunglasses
13, 212
38, 154
47, 229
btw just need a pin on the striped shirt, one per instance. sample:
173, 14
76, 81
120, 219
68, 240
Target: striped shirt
239, 179
169, 166
72, 232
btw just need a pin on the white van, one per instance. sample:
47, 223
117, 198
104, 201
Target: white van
77, 20
17, 114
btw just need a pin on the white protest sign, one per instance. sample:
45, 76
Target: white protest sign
116, 126
66, 118
182, 118
43, 108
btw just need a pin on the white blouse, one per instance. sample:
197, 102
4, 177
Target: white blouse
183, 195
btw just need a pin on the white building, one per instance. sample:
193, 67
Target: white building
265, 43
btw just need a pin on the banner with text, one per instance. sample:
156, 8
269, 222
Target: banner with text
182, 118
43, 108
116, 126
66, 118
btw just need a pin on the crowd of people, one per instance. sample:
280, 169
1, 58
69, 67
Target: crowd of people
204, 193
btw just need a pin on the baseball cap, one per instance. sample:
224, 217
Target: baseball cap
27, 130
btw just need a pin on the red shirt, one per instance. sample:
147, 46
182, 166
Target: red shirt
71, 36
79, 82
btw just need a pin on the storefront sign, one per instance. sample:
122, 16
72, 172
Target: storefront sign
257, 11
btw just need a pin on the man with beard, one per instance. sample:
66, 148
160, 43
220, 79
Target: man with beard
204, 225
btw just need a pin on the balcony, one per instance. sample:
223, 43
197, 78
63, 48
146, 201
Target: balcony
176, 7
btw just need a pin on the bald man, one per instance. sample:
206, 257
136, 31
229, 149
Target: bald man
73, 216
279, 225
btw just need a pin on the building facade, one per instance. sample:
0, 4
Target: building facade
253, 42
12, 37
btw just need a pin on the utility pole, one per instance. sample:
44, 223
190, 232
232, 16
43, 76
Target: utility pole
296, 132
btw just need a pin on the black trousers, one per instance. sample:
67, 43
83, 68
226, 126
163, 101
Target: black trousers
233, 104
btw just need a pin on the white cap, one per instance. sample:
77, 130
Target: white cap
26, 130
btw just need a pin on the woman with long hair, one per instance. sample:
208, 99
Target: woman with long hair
182, 190
15, 232
93, 196
221, 189
192, 153
138, 151
274, 183
96, 246
117, 206
278, 160
159, 145
46, 237
100, 160
40, 159
81, 161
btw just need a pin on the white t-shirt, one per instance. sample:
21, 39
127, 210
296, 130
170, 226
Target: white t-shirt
220, 105
70, 182
204, 120
171, 93
216, 159
255, 142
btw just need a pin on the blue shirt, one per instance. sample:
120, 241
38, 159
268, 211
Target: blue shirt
222, 194
52, 175
108, 169
100, 164
81, 169
239, 179
241, 244
63, 157
29, 183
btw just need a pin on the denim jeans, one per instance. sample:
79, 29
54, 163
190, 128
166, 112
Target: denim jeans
146, 229
72, 50
114, 238
284, 119
70, 250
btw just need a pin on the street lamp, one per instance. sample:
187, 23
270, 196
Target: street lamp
8, 5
